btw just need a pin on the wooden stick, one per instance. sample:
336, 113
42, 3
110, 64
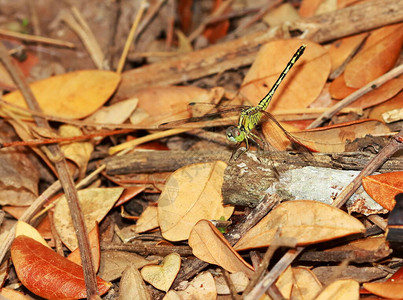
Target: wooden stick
240, 52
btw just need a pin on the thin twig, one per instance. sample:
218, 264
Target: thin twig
67, 183
131, 36
231, 286
354, 96
35, 38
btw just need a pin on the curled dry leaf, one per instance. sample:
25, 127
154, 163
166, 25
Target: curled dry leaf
148, 220
95, 247
95, 204
299, 88
340, 290
209, 245
23, 228
337, 135
307, 221
191, 193
162, 276
379, 55
72, 95
392, 288
47, 274
384, 187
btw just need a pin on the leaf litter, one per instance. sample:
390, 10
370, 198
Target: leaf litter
177, 213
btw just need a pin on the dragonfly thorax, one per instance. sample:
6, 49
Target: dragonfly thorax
235, 135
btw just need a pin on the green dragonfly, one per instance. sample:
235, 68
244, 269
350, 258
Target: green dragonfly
250, 117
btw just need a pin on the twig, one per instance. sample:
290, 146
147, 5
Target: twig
357, 94
231, 286
81, 28
35, 38
392, 147
130, 38
64, 176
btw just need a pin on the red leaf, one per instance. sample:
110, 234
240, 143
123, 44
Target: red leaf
47, 274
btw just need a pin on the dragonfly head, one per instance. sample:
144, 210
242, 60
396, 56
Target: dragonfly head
234, 135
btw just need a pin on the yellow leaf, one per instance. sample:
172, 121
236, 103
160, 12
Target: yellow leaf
72, 95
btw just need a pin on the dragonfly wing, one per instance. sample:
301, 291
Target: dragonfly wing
278, 136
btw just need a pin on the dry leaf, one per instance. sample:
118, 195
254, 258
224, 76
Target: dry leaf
299, 88
191, 193
95, 248
148, 220
337, 135
14, 295
284, 284
380, 95
116, 113
23, 228
163, 104
72, 95
209, 245
392, 288
340, 290
304, 278
162, 276
384, 187
47, 274
285, 12
379, 55
95, 204
78, 152
342, 49
239, 279
307, 221
338, 88
113, 263
132, 286
392, 104
308, 7
129, 193
202, 287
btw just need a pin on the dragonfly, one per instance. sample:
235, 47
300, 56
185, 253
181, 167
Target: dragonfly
250, 117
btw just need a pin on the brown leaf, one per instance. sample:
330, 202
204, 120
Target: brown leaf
95, 204
337, 135
307, 221
23, 228
191, 193
72, 95
148, 220
201, 287
47, 274
379, 55
162, 276
303, 278
384, 187
14, 295
299, 88
209, 245
132, 286
95, 247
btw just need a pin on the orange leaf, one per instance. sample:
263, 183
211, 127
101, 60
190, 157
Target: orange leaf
379, 95
394, 103
388, 289
72, 95
308, 7
47, 274
338, 88
379, 55
384, 187
299, 88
